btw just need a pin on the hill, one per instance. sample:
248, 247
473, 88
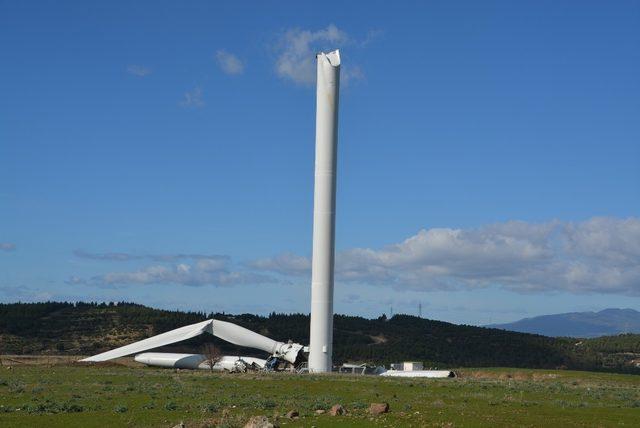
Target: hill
89, 328
579, 324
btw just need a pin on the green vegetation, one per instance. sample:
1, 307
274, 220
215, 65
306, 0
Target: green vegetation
112, 395
89, 328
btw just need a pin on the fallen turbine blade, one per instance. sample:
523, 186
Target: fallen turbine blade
173, 336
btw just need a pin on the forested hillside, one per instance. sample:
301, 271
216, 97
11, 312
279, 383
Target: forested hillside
89, 328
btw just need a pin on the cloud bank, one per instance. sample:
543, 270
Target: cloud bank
125, 257
600, 255
7, 246
24, 294
197, 270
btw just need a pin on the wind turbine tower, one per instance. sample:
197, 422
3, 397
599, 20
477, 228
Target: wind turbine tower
324, 212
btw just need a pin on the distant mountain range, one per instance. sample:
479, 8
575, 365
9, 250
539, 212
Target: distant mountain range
579, 324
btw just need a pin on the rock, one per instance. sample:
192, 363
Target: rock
337, 410
180, 425
259, 422
320, 411
378, 408
292, 414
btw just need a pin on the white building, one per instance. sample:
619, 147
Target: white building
410, 366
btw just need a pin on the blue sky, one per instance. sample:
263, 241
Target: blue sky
162, 152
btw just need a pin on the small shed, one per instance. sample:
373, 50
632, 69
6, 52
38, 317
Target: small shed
409, 366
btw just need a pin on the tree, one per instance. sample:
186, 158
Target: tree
212, 355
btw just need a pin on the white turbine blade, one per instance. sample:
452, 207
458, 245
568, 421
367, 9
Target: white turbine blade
242, 337
196, 361
166, 359
177, 335
419, 373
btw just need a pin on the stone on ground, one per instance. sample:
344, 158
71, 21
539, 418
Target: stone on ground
378, 408
337, 410
292, 414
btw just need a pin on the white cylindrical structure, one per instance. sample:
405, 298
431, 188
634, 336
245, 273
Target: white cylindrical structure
324, 212
229, 363
172, 360
243, 337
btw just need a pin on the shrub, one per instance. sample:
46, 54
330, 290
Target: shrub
171, 406
266, 404
16, 386
210, 408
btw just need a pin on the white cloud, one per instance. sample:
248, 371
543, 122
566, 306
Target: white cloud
124, 257
202, 271
371, 36
617, 241
287, 263
193, 98
24, 294
7, 246
296, 51
138, 70
351, 73
229, 63
598, 255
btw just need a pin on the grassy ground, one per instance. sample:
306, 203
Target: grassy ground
114, 395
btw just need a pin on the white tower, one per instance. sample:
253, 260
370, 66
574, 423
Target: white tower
324, 212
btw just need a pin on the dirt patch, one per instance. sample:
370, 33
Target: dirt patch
379, 339
543, 376
60, 360
485, 374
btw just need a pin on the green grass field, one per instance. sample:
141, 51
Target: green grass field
112, 395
